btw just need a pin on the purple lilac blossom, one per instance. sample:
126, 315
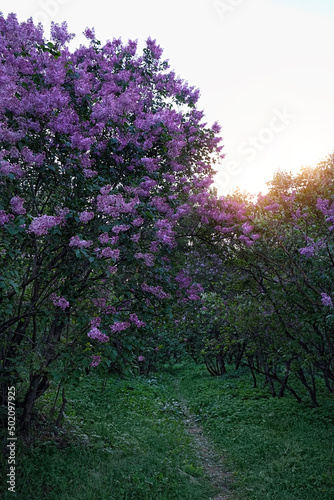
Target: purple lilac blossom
76, 242
96, 361
59, 301
96, 334
326, 300
86, 216
17, 205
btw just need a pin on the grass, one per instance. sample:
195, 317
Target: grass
127, 441
278, 449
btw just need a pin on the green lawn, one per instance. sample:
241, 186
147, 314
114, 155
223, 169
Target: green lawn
278, 449
127, 441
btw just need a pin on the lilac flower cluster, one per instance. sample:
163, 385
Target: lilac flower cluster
119, 326
249, 241
41, 225
96, 334
17, 205
274, 207
155, 290
328, 210
148, 258
136, 321
110, 253
95, 322
86, 216
5, 218
165, 233
312, 247
326, 300
76, 242
59, 301
138, 221
120, 229
96, 361
115, 204
247, 228
183, 280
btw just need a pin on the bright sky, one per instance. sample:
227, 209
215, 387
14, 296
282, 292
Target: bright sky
264, 68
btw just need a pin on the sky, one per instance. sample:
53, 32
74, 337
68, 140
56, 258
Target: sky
264, 69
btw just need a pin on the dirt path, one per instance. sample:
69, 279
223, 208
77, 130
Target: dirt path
212, 464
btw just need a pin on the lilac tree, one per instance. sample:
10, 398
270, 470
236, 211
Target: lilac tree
103, 153
268, 266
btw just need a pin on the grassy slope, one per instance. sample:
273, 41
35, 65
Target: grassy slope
130, 442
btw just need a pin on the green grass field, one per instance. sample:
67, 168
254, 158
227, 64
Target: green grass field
277, 448
126, 440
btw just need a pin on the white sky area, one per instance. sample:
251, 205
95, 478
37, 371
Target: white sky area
264, 69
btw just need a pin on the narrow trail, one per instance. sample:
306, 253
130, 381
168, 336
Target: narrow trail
211, 462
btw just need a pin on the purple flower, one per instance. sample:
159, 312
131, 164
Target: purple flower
120, 228
89, 33
307, 251
138, 221
247, 228
119, 326
17, 205
148, 258
326, 300
96, 361
312, 246
96, 334
135, 237
4, 218
104, 238
59, 301
76, 242
86, 216
274, 207
155, 290
155, 49
150, 164
110, 253
60, 34
134, 319
141, 358
95, 322
41, 225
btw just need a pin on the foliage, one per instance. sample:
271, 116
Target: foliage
100, 151
269, 303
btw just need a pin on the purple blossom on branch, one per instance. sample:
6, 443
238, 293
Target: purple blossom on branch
96, 361
59, 301
60, 34
5, 218
326, 300
119, 326
76, 242
41, 225
96, 334
17, 205
134, 319
86, 216
110, 253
